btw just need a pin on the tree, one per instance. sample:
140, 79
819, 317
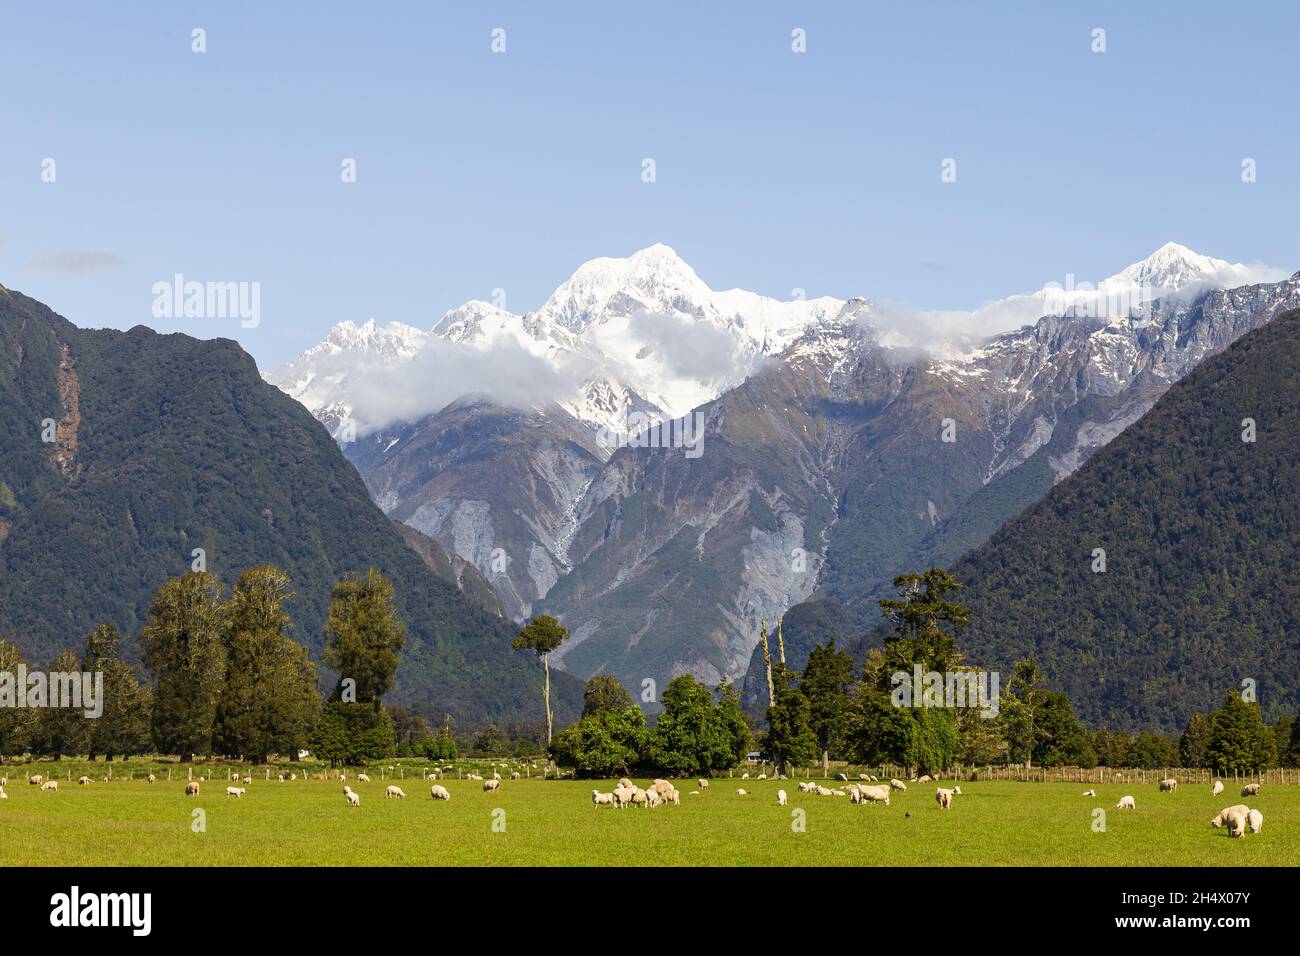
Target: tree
922, 612
1194, 741
790, 737
123, 727
605, 692
825, 682
353, 734
446, 742
1239, 741
734, 723
270, 701
1283, 731
184, 650
542, 635
15, 722
363, 637
1059, 738
1291, 758
1017, 712
60, 730
609, 742
1149, 751
692, 736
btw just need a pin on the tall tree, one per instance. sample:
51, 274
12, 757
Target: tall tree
123, 727
542, 635
691, 735
790, 736
270, 701
15, 722
1239, 741
605, 692
60, 730
1194, 741
184, 650
363, 637
826, 680
1018, 711
924, 615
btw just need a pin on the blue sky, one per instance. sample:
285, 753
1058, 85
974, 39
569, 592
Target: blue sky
775, 170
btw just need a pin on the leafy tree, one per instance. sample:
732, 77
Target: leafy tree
446, 742
608, 742
605, 692
15, 722
1194, 741
60, 730
412, 731
488, 740
183, 649
1239, 741
1017, 712
790, 737
123, 727
1111, 747
1283, 731
270, 701
1149, 751
924, 617
692, 736
1291, 758
542, 635
825, 681
1060, 740
734, 723
353, 734
363, 636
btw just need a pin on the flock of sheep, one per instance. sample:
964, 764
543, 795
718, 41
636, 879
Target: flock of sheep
628, 794
1239, 819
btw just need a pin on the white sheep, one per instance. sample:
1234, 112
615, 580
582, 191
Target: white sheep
439, 792
192, 788
1237, 821
878, 794
1217, 788
3, 795
602, 799
1250, 790
943, 798
1254, 821
745, 775
343, 778
235, 791
394, 791
806, 786
622, 796
742, 792
353, 798
673, 797
516, 776
639, 798
50, 786
704, 784
151, 778
898, 785
1126, 803
36, 780
762, 776
924, 778
1239, 809
780, 798
1090, 793
653, 798
363, 778
490, 785
625, 783
248, 778
83, 781
822, 791
1168, 785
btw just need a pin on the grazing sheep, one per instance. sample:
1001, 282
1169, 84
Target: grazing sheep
943, 798
490, 785
248, 778
878, 794
36, 780
394, 791
742, 792
780, 798
898, 785
806, 787
639, 798
842, 777
957, 790
235, 791
192, 788
745, 775
837, 793
354, 799
873, 778
864, 776
924, 778
1126, 803
151, 778
704, 784
50, 786
343, 778
363, 778
625, 783
622, 796
1240, 809
1254, 821
822, 791
762, 776
653, 798
1217, 788
599, 799
439, 792
1168, 785
1090, 793
855, 794
3, 795
82, 781
515, 776
1250, 790
1236, 821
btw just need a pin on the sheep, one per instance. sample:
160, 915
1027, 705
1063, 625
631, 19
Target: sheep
151, 778
192, 788
806, 786
625, 783
924, 778
873, 778
515, 776
394, 791
1169, 784
50, 786
1090, 793
83, 781
1254, 821
1236, 821
742, 792
879, 794
943, 798
248, 778
639, 798
363, 778
343, 778
780, 798
855, 794
1217, 788
745, 775
1250, 790
3, 795
36, 780
842, 777
704, 784
490, 785
599, 799
653, 798
353, 798
673, 796
957, 791
1240, 809
898, 785
622, 796
1126, 803
822, 791
837, 793
439, 792
235, 791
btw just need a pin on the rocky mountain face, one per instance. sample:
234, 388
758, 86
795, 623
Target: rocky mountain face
830, 452
164, 445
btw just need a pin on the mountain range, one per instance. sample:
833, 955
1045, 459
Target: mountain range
841, 442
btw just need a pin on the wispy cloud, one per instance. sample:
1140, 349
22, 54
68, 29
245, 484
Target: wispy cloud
74, 263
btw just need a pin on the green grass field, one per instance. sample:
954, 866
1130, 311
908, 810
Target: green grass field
134, 823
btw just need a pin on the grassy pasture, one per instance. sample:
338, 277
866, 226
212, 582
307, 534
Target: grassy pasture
133, 823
